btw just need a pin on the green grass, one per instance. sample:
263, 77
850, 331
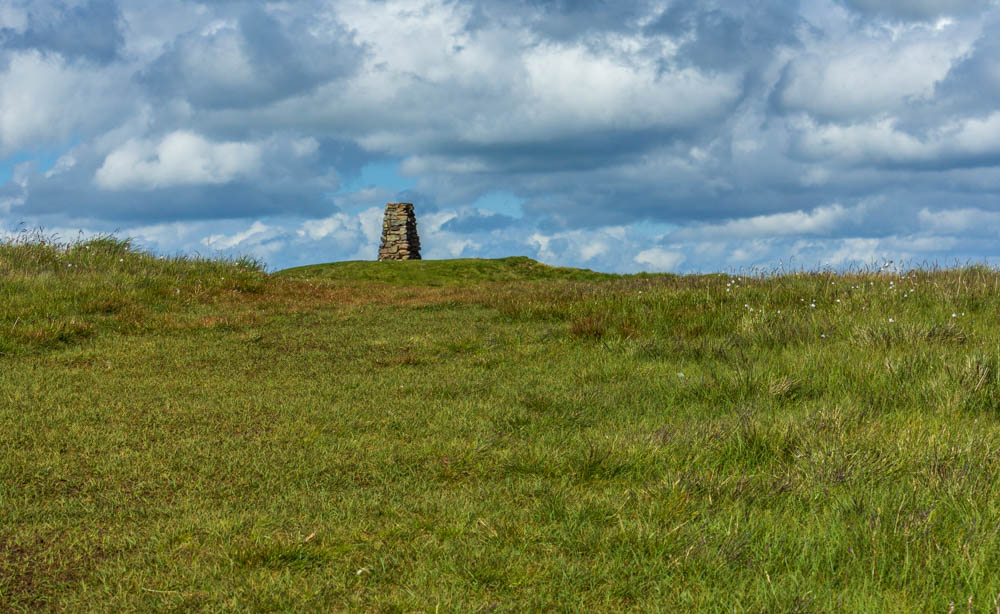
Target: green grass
190, 435
458, 272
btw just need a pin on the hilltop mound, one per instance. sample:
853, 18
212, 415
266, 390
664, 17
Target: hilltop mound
462, 271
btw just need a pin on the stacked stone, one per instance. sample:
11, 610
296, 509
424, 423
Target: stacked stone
399, 233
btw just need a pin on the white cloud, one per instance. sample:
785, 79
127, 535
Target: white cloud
338, 225
593, 249
371, 224
571, 87
857, 142
257, 232
821, 220
755, 252
455, 248
44, 101
499, 84
180, 158
865, 251
6, 204
659, 259
64, 163
600, 123
958, 221
882, 141
871, 72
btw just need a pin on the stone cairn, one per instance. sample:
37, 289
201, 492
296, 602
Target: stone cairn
399, 233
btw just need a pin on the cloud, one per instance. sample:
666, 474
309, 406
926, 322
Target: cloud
478, 221
916, 9
253, 59
44, 101
820, 221
90, 30
965, 142
659, 259
180, 176
871, 72
973, 83
725, 37
256, 235
682, 135
856, 250
338, 225
180, 158
573, 89
970, 221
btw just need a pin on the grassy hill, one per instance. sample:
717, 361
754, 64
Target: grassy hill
458, 272
188, 435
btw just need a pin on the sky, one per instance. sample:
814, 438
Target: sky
615, 135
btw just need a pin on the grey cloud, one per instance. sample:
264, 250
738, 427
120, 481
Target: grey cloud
558, 19
256, 62
471, 221
91, 31
428, 203
728, 36
916, 10
703, 115
288, 183
584, 151
75, 199
973, 84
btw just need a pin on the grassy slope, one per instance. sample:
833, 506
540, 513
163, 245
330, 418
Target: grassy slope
463, 271
650, 444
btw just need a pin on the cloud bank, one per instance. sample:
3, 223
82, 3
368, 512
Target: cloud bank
639, 135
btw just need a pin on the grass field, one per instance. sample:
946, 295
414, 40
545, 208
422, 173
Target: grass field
492, 436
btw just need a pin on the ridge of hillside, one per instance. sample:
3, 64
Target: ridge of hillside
460, 271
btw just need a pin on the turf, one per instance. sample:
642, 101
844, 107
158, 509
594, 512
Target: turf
457, 272
189, 435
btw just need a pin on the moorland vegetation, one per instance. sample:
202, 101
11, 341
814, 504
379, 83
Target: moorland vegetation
186, 434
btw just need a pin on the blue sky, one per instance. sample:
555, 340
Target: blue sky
660, 135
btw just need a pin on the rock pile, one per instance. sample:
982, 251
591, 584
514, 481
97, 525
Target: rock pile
399, 233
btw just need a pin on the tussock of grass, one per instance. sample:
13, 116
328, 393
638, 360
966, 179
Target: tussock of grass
628, 443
